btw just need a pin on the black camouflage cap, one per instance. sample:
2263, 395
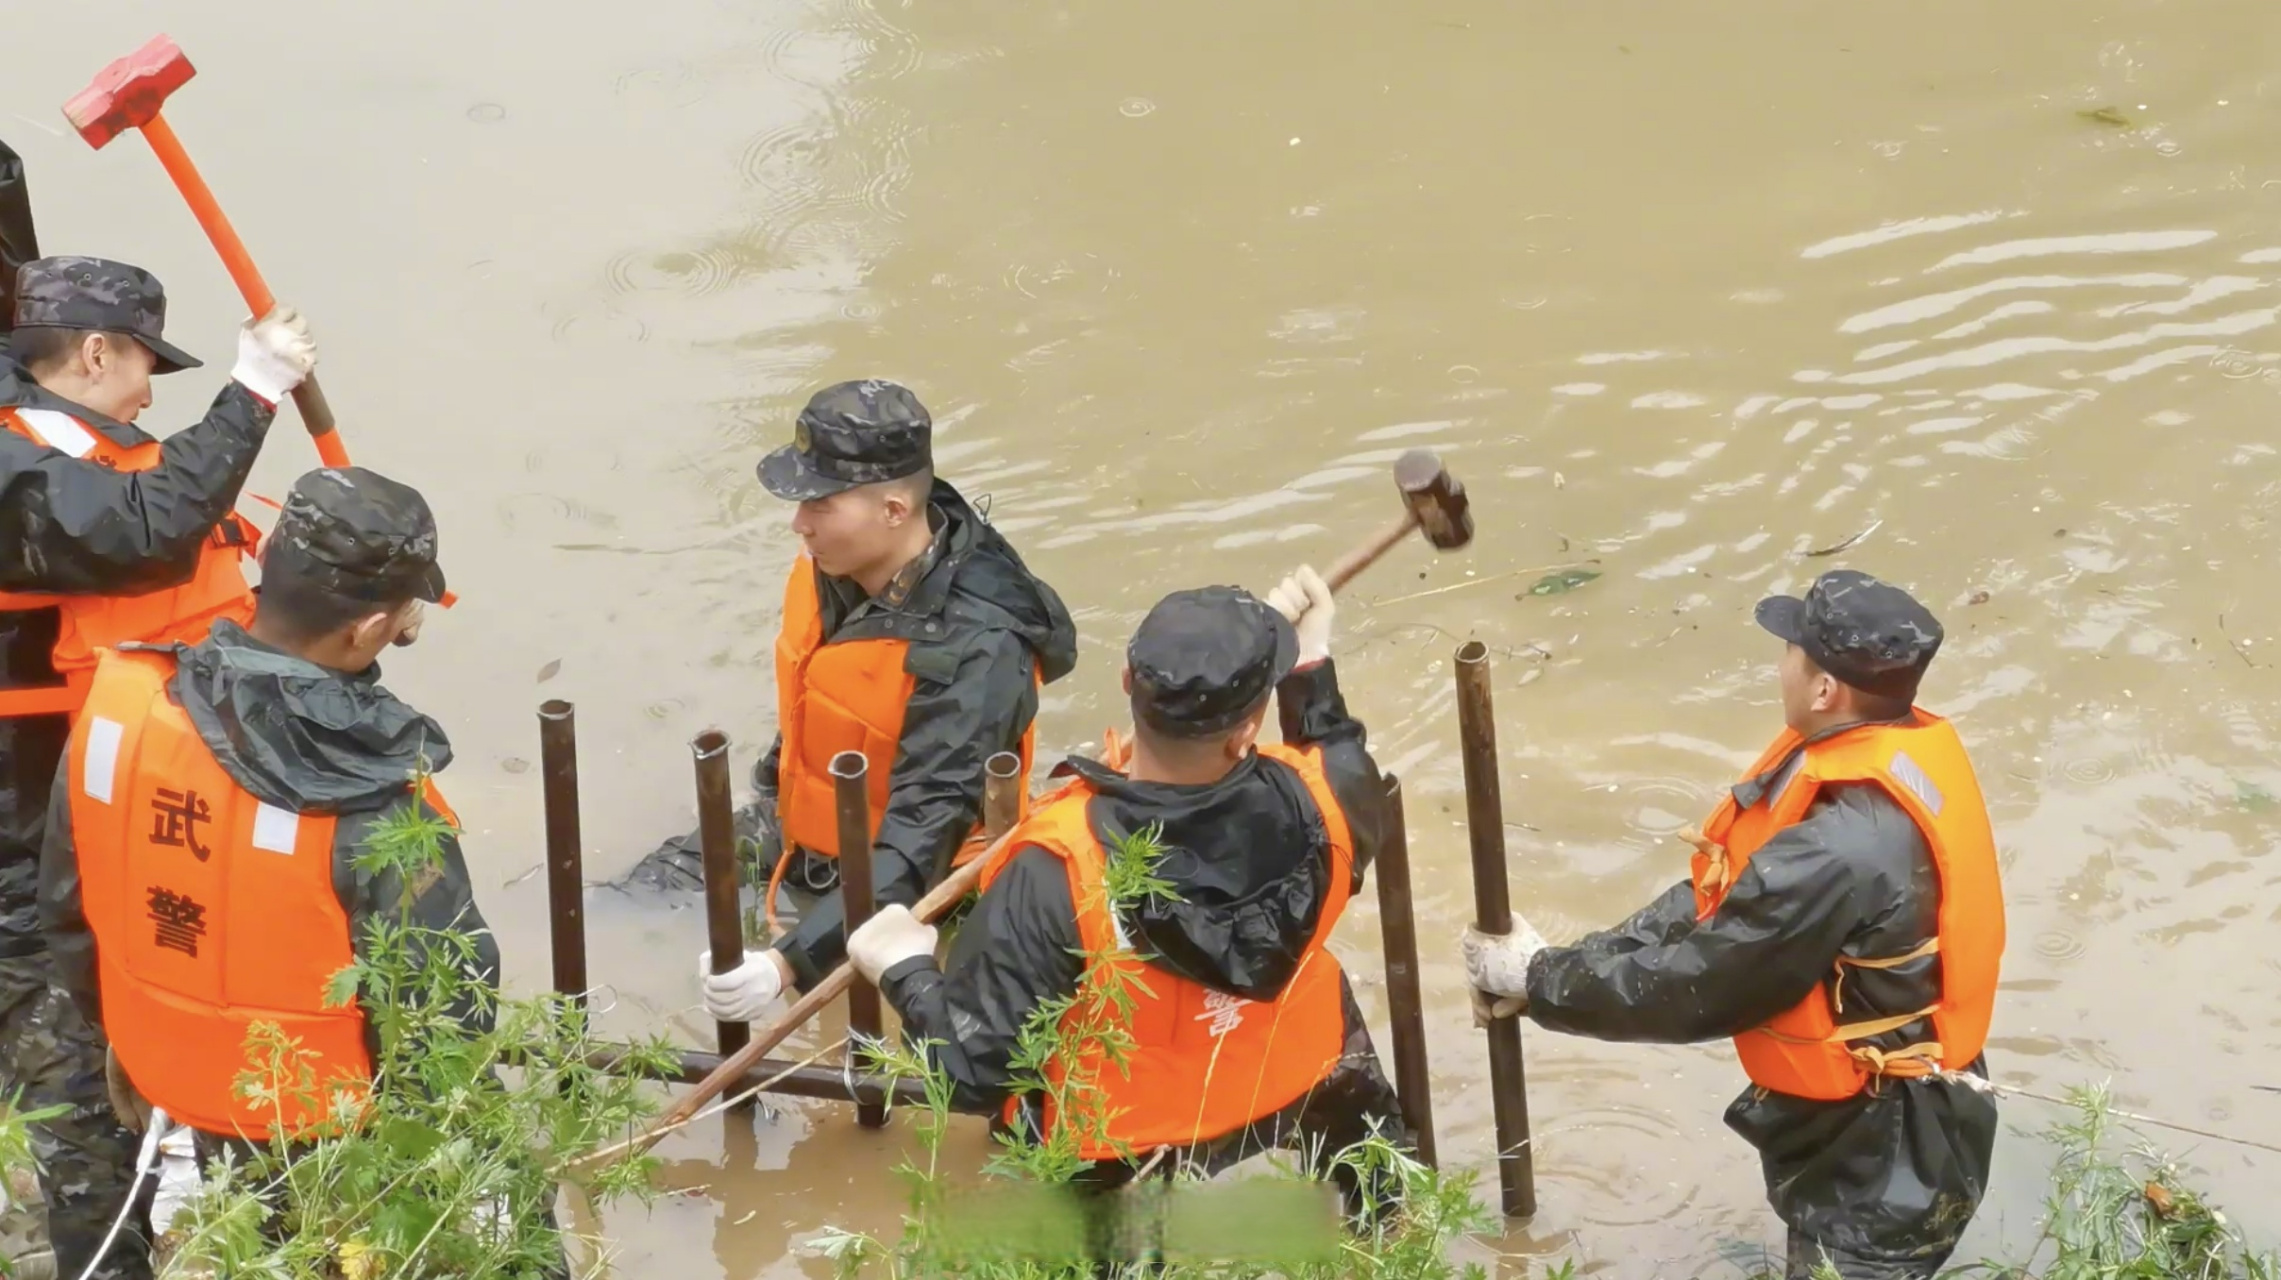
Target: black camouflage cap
852, 433
1202, 660
358, 534
96, 293
1869, 634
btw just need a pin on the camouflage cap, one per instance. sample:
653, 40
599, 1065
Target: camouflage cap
97, 293
358, 534
1203, 660
852, 433
1870, 634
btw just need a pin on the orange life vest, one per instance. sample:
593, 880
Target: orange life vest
1202, 1063
211, 910
216, 589
1921, 764
846, 695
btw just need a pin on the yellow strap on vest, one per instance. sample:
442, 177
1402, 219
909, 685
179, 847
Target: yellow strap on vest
1721, 869
1913, 1063
1930, 946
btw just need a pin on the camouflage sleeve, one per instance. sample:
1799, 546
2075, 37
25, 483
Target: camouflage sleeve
73, 527
434, 900
71, 944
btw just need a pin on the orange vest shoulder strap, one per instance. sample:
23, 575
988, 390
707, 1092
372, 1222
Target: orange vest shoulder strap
126, 680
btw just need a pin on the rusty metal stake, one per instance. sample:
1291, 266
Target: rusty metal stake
717, 841
851, 774
1405, 1005
565, 873
1001, 793
1493, 913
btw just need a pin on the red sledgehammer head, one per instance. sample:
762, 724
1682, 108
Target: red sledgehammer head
129, 92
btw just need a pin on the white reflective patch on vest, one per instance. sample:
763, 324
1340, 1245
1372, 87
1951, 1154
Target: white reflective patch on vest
101, 766
1910, 774
58, 431
275, 829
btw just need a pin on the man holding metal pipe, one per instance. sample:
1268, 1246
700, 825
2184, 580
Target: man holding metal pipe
913, 633
106, 535
1244, 1033
1844, 923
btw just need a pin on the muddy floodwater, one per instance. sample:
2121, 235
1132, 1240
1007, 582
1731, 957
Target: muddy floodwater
1680, 291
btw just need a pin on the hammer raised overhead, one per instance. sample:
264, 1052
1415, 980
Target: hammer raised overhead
128, 95
1434, 503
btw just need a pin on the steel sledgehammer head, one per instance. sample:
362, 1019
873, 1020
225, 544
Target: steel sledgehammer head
129, 92
1436, 498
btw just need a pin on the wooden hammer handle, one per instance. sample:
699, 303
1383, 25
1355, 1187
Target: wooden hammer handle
1366, 555
931, 907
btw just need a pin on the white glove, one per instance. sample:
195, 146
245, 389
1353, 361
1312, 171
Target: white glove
274, 354
891, 936
1305, 600
1498, 963
745, 992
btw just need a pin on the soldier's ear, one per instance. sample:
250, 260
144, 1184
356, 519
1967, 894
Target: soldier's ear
372, 631
1246, 734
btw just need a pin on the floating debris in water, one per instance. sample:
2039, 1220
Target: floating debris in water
2107, 116
1563, 582
1833, 550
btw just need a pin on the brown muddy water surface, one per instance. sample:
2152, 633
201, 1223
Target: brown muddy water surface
1683, 290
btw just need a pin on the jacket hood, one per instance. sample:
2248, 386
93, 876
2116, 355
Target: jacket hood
300, 736
981, 581
1247, 858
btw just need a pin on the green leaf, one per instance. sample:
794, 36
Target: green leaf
409, 1138
1563, 582
341, 991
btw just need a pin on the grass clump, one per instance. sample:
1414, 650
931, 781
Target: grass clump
448, 1164
1028, 1220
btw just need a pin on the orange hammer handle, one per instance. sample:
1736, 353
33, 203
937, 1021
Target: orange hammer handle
316, 415
309, 398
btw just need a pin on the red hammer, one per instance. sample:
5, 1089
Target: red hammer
127, 95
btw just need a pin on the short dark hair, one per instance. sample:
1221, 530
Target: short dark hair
41, 347
1872, 706
916, 486
1180, 746
307, 611
1880, 706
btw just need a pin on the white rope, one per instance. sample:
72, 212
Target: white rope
145, 1160
1981, 1084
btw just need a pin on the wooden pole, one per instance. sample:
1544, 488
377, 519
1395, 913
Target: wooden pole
565, 873
1405, 1005
938, 900
717, 843
1493, 913
850, 780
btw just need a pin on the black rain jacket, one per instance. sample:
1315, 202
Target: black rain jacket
73, 527
982, 629
1892, 1174
1248, 858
